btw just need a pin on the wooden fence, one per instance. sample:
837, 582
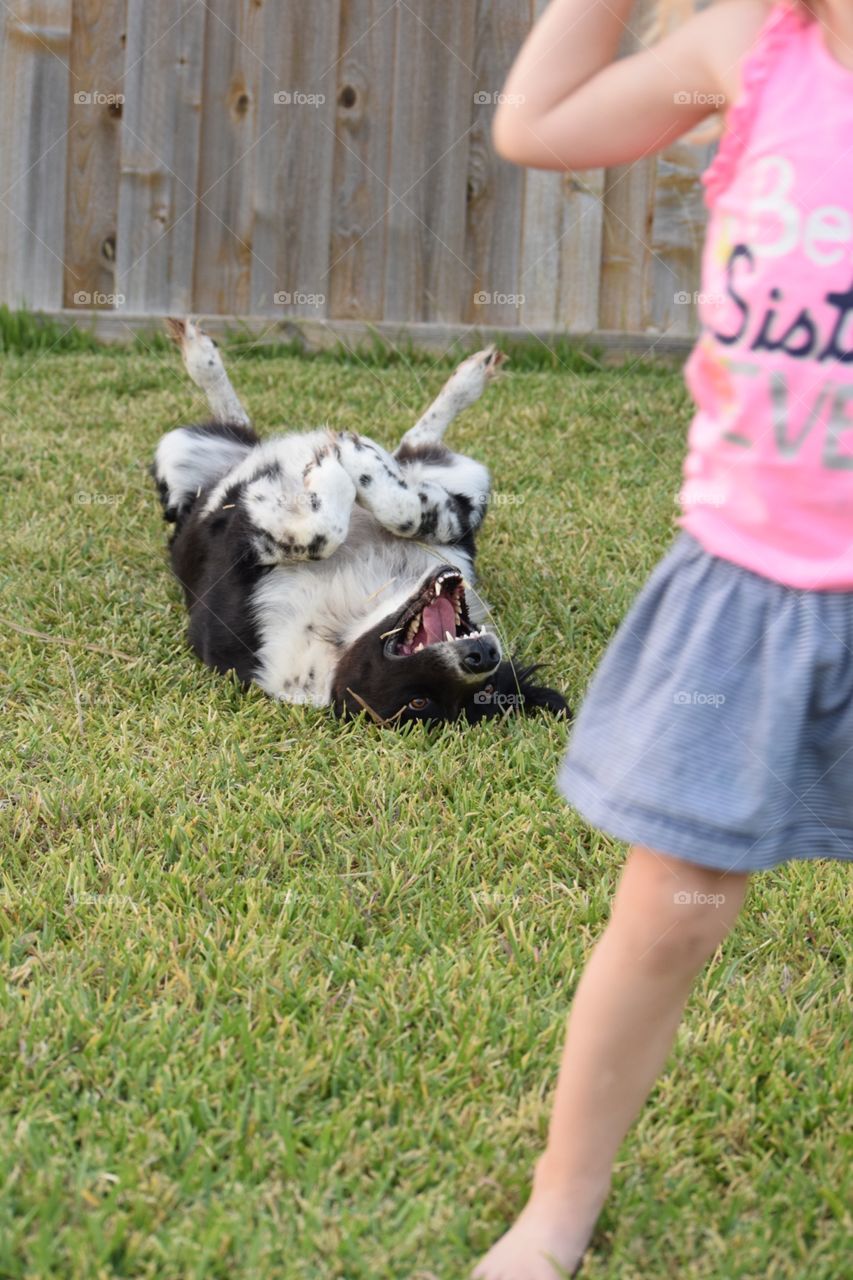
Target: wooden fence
322, 159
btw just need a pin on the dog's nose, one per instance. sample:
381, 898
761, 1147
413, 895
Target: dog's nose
480, 653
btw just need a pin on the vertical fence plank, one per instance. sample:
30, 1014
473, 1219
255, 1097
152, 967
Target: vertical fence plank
677, 237
561, 248
231, 149
364, 124
583, 235
159, 154
542, 239
426, 276
629, 197
35, 89
91, 205
293, 184
561, 251
494, 190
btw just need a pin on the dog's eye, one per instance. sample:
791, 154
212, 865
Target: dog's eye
418, 704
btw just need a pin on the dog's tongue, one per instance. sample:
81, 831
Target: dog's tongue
436, 619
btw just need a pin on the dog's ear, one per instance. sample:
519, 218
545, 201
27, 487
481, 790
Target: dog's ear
510, 690
539, 697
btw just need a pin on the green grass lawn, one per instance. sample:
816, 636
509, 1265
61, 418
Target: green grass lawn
285, 998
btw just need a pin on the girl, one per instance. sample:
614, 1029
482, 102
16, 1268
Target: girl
717, 735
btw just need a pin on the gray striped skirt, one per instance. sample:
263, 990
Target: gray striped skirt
719, 725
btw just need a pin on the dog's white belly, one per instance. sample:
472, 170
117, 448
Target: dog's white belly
308, 613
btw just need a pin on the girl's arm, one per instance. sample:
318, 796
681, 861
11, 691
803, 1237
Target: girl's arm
568, 105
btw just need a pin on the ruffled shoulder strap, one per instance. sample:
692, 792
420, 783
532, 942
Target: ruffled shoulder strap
783, 21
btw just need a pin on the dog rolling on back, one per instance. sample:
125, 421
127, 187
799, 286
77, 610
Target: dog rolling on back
330, 572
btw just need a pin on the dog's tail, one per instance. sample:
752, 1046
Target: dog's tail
191, 459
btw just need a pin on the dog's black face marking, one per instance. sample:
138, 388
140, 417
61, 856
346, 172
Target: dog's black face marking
511, 691
426, 662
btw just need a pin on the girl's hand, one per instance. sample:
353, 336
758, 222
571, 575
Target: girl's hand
570, 106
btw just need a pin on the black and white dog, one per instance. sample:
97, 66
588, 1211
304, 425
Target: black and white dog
331, 572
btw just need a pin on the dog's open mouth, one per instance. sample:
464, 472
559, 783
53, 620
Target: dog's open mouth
438, 613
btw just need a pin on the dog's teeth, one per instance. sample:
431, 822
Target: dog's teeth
448, 636
420, 646
438, 588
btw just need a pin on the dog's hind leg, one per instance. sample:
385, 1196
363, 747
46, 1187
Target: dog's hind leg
462, 389
424, 490
442, 497
379, 484
191, 459
204, 365
453, 491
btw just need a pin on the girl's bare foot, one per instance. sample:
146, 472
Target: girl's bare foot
550, 1237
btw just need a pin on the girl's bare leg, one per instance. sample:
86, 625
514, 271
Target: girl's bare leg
668, 918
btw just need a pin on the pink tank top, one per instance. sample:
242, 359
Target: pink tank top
768, 480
